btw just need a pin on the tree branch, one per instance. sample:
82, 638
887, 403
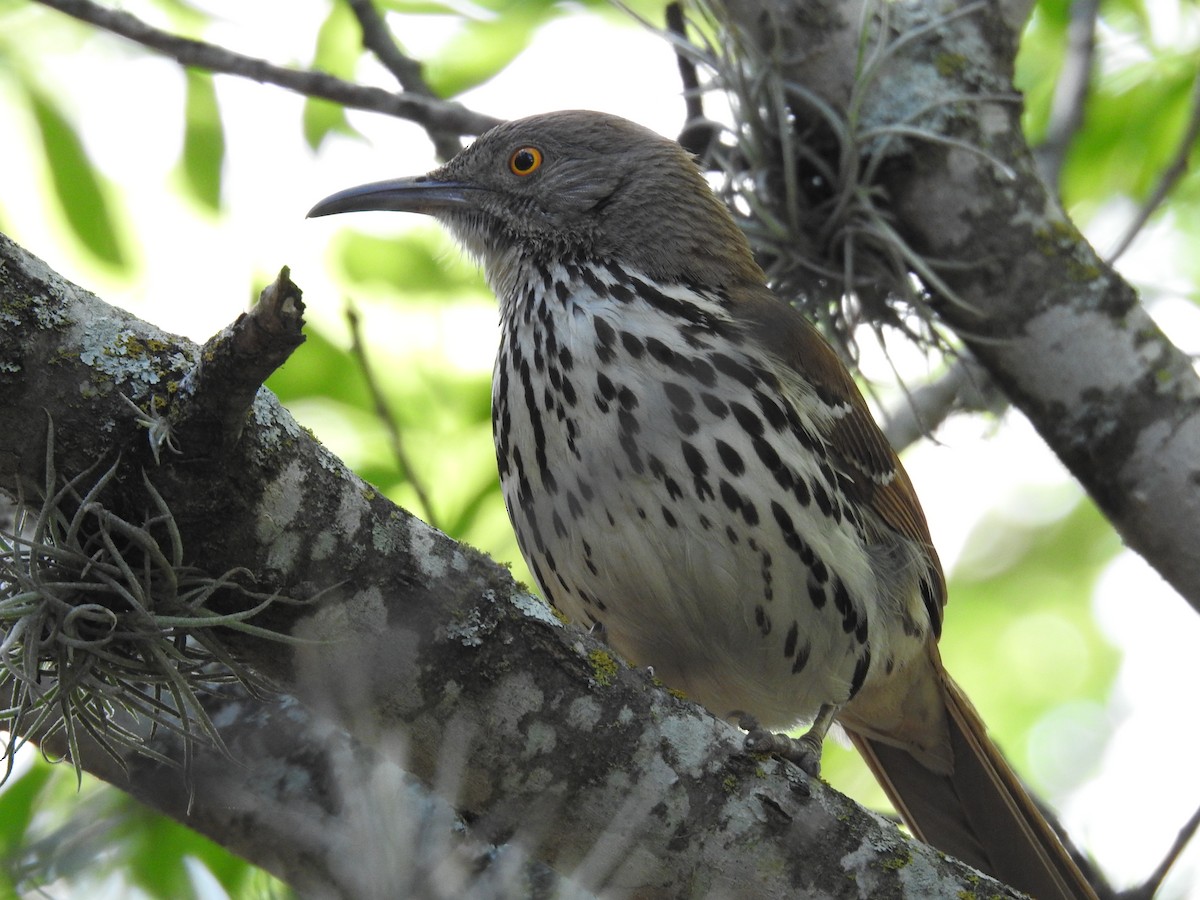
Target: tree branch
358, 351
1061, 334
536, 733
378, 39
436, 116
964, 386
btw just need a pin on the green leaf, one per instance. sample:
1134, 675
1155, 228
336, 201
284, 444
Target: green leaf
339, 45
419, 262
203, 141
1135, 121
481, 48
18, 803
77, 185
1039, 62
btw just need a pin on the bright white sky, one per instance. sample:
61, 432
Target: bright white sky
196, 271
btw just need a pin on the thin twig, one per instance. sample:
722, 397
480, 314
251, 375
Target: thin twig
1071, 92
1150, 886
698, 133
379, 40
965, 386
359, 351
432, 114
1174, 171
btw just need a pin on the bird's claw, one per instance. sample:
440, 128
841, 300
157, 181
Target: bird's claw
804, 751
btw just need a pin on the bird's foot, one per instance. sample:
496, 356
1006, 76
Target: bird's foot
804, 751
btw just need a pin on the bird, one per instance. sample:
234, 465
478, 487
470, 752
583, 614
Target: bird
691, 471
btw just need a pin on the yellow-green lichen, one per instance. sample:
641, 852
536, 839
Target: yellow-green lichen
898, 862
950, 64
604, 667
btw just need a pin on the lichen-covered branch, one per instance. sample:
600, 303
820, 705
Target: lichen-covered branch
1058, 330
424, 651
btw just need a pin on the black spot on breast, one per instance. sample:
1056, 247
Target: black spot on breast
800, 491
730, 496
632, 344
699, 468
703, 372
750, 422
685, 422
730, 458
669, 518
860, 672
604, 332
817, 566
621, 293
762, 620
802, 658
816, 592
727, 365
821, 496
715, 405
629, 444
931, 604
679, 396
789, 643
771, 411
661, 352
592, 281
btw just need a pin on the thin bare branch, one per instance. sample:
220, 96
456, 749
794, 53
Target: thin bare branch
1149, 888
359, 351
965, 386
1175, 170
1071, 92
379, 40
432, 114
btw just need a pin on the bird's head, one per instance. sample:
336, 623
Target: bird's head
573, 185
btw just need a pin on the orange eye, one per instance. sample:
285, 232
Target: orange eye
525, 160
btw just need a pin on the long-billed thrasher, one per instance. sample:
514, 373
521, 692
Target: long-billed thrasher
689, 467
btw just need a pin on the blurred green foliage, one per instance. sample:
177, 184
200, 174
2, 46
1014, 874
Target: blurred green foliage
79, 189
55, 834
1134, 120
203, 142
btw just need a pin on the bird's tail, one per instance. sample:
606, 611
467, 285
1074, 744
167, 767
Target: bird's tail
979, 812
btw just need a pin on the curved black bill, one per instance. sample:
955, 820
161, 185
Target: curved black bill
419, 195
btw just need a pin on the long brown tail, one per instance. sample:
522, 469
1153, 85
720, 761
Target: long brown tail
980, 812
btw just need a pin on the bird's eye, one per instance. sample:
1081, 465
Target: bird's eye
525, 160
